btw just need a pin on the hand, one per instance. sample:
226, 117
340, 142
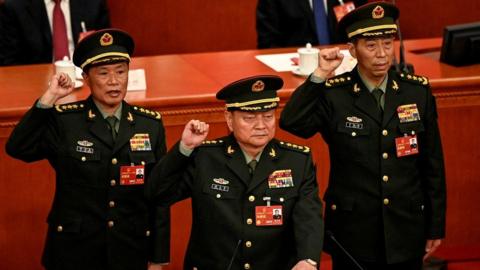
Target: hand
328, 60
194, 133
60, 86
431, 247
155, 266
303, 265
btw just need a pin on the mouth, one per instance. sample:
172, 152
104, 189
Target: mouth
114, 93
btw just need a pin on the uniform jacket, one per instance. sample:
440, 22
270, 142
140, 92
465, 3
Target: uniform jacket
95, 222
224, 198
25, 34
287, 23
378, 205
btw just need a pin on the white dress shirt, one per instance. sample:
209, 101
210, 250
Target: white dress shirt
65, 6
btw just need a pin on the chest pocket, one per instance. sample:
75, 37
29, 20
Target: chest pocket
352, 140
411, 128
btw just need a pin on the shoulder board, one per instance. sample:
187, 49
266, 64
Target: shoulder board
342, 79
212, 142
70, 107
294, 147
146, 112
416, 79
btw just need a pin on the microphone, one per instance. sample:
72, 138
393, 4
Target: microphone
402, 65
234, 254
344, 251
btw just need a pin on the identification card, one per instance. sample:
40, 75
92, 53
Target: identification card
408, 113
406, 145
342, 10
269, 215
140, 142
132, 175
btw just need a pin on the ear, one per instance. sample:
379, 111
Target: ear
86, 78
229, 120
352, 50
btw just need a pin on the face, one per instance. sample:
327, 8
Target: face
253, 130
108, 83
374, 55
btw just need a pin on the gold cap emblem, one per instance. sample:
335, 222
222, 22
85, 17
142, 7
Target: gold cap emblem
378, 12
258, 86
106, 39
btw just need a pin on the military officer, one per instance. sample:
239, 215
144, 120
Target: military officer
238, 182
101, 149
385, 201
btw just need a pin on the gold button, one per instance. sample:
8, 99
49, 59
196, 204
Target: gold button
147, 233
113, 182
111, 203
246, 266
249, 221
251, 198
385, 178
334, 207
59, 228
282, 199
110, 224
114, 161
384, 132
143, 163
219, 196
354, 134
248, 244
386, 201
385, 155
84, 159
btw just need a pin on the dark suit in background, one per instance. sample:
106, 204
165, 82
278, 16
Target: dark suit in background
25, 35
287, 23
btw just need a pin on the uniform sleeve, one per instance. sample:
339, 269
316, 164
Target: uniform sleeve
433, 172
35, 136
268, 24
170, 180
306, 112
160, 216
307, 217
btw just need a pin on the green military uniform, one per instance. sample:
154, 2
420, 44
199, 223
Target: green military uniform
380, 206
226, 227
97, 220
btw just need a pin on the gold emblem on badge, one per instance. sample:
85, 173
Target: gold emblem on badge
378, 12
106, 39
258, 86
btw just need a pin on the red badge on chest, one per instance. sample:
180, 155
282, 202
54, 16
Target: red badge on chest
406, 145
132, 175
269, 215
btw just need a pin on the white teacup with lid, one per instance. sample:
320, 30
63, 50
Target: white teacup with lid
66, 66
308, 59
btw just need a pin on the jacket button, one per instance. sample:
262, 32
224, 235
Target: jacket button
114, 161
386, 201
354, 134
334, 207
111, 204
251, 198
113, 182
111, 224
282, 199
246, 266
385, 178
59, 228
219, 196
143, 163
249, 221
84, 159
248, 244
147, 233
384, 132
385, 155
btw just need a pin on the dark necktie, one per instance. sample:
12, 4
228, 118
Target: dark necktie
60, 40
377, 94
112, 120
251, 166
321, 22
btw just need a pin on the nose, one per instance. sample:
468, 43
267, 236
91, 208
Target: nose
260, 123
112, 79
